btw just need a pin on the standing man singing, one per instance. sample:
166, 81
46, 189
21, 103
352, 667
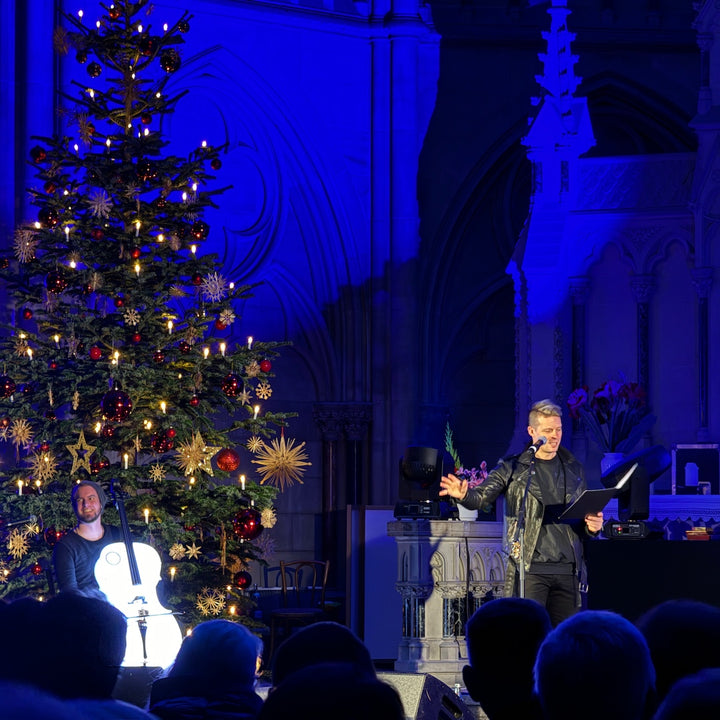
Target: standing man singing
76, 553
553, 550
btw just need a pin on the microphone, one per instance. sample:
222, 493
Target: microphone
537, 444
29, 519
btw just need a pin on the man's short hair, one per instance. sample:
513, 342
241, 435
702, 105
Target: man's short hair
544, 408
101, 494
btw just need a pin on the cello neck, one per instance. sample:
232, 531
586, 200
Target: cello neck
127, 539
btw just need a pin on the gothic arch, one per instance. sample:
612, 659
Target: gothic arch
475, 241
632, 119
288, 224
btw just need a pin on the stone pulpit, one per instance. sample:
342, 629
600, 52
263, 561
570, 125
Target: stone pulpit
445, 569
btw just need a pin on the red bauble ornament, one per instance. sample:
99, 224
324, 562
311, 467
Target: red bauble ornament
196, 279
114, 12
107, 431
7, 388
116, 405
265, 366
81, 56
53, 365
38, 154
119, 302
97, 233
146, 170
246, 524
171, 432
44, 446
27, 314
170, 60
5, 422
183, 26
48, 217
161, 442
36, 569
228, 460
55, 282
219, 324
243, 580
146, 118
136, 252
194, 401
216, 163
94, 70
50, 187
52, 535
136, 338
232, 385
158, 356
95, 353
184, 347
148, 45
199, 230
50, 415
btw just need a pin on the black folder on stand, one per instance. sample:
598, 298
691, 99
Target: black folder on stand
591, 502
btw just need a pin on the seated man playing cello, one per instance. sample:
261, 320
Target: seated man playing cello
77, 552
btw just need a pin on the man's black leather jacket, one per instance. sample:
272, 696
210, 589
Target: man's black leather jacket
509, 478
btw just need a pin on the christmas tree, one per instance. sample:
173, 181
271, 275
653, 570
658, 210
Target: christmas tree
120, 356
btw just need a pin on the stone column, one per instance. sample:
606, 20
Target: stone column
642, 287
579, 291
356, 421
329, 418
702, 280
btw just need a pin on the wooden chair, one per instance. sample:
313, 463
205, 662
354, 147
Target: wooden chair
303, 598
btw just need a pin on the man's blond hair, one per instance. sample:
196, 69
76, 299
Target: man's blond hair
542, 409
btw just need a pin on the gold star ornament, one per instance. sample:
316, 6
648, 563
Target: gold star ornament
80, 453
281, 463
196, 455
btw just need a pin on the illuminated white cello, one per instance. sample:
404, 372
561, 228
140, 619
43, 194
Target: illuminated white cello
128, 573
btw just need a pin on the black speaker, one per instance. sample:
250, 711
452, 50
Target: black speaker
424, 697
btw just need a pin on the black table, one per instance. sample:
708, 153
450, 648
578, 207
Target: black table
631, 575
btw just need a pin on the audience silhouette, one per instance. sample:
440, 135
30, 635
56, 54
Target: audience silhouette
683, 637
83, 638
322, 642
693, 696
213, 675
328, 691
503, 682
595, 665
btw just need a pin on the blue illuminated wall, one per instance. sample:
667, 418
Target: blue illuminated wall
381, 194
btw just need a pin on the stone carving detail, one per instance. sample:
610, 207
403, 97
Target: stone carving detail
639, 183
420, 591
334, 419
642, 287
702, 281
451, 589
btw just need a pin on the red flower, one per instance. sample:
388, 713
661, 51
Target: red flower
578, 399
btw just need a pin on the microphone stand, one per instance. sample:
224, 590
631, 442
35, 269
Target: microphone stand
518, 545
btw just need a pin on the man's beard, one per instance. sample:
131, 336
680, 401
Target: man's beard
88, 519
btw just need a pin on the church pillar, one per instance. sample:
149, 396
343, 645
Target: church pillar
356, 422
579, 291
329, 419
642, 287
702, 280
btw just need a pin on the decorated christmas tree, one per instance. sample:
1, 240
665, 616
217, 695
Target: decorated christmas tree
121, 353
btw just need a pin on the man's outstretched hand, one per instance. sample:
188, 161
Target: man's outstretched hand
453, 486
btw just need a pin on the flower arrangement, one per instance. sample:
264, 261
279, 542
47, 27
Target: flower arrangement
616, 414
474, 476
